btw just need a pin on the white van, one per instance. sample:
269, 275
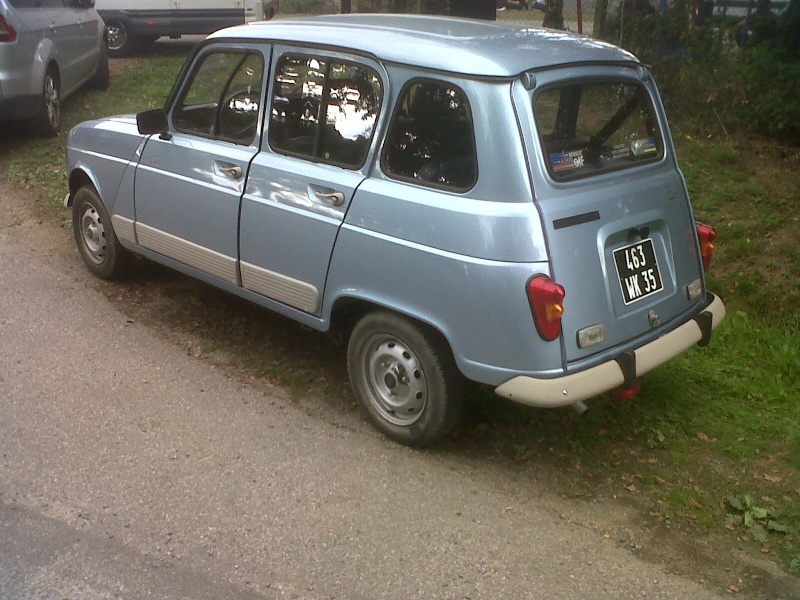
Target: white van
131, 25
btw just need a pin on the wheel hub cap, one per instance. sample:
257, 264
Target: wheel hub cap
397, 382
93, 235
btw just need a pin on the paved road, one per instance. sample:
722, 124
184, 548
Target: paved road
129, 469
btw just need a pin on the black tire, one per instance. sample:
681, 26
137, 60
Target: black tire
100, 249
120, 41
47, 121
102, 79
405, 378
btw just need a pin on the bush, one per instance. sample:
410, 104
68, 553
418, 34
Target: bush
709, 83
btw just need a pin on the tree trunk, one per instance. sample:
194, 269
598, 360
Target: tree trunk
600, 12
347, 6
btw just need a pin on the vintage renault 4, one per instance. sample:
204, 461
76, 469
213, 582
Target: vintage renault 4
466, 199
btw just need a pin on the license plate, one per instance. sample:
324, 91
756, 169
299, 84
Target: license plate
637, 270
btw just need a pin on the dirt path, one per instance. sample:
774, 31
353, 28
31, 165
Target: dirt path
442, 523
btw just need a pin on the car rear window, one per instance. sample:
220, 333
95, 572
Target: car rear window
592, 128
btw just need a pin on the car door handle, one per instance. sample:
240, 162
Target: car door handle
232, 171
335, 198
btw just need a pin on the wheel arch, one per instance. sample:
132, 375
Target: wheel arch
46, 58
78, 178
347, 310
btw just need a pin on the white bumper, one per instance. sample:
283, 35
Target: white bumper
562, 391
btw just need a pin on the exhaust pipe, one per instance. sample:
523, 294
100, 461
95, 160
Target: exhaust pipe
579, 407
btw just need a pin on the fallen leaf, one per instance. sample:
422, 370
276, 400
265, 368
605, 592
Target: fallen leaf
772, 478
734, 588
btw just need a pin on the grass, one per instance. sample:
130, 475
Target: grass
714, 430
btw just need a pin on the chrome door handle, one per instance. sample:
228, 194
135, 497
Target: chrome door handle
232, 171
335, 198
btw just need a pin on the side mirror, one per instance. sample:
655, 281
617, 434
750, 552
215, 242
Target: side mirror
152, 121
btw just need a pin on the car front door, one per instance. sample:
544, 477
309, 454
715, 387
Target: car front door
190, 179
323, 116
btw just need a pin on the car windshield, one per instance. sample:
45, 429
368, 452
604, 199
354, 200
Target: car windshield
592, 128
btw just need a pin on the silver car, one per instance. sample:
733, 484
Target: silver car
48, 49
468, 200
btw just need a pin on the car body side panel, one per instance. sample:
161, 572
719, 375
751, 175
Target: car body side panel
480, 306
107, 151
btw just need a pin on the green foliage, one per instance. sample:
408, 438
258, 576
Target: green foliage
758, 520
302, 6
708, 82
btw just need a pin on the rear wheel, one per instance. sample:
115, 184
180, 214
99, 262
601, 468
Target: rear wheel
47, 120
100, 249
405, 378
120, 41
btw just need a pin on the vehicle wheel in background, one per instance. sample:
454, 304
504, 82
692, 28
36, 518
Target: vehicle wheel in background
120, 41
47, 121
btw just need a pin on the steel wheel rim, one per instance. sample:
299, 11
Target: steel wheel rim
117, 37
51, 101
93, 235
395, 380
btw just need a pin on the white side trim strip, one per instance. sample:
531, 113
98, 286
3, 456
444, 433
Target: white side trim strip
214, 263
124, 228
295, 293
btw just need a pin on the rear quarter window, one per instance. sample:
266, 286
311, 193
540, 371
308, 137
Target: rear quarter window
431, 140
591, 128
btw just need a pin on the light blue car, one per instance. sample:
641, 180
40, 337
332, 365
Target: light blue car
468, 200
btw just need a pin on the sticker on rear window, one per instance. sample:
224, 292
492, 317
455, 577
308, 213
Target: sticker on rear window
568, 160
644, 147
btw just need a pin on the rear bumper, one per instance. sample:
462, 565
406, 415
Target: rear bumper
562, 391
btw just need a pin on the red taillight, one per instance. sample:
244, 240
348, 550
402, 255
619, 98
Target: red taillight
546, 298
7, 33
706, 234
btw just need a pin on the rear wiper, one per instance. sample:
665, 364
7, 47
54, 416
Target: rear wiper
597, 141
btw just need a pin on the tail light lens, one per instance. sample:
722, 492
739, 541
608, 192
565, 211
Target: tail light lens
546, 298
706, 234
7, 33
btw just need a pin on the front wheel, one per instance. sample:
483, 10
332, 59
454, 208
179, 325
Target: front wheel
100, 249
405, 378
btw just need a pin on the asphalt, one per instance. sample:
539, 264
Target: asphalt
131, 469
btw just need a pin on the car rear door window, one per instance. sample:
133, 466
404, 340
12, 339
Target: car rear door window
592, 128
223, 99
431, 139
324, 109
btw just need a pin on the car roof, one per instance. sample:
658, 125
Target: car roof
464, 46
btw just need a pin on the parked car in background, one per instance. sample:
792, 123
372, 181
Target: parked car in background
503, 204
48, 49
134, 24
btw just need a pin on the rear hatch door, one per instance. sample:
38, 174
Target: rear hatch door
621, 234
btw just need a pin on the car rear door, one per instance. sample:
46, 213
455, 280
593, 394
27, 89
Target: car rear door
620, 231
323, 116
190, 179
83, 30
